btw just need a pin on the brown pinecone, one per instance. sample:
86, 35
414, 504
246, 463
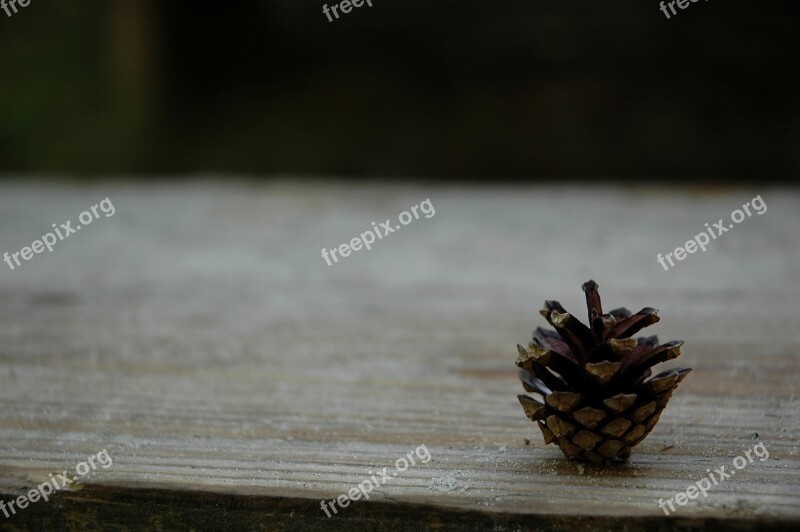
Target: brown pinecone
597, 401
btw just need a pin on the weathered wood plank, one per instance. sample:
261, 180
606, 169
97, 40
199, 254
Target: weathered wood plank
199, 337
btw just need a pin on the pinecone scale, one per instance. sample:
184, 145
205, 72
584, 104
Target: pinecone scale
595, 400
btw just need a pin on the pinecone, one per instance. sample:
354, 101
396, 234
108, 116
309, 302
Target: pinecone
597, 401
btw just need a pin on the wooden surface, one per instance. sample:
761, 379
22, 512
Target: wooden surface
236, 379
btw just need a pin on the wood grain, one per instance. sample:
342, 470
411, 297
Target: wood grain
236, 379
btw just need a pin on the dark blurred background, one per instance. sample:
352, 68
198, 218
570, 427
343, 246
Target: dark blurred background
518, 89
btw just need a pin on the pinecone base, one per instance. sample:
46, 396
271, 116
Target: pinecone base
599, 433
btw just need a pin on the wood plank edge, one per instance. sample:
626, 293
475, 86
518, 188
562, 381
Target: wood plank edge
125, 508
